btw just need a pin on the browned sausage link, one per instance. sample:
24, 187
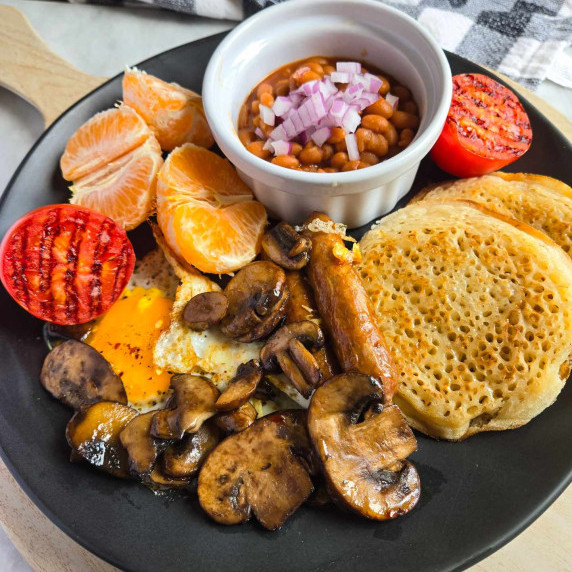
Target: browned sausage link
302, 306
346, 311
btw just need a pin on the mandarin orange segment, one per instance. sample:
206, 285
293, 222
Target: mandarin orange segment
123, 190
102, 139
175, 114
206, 212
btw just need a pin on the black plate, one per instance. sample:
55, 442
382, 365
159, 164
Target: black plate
477, 495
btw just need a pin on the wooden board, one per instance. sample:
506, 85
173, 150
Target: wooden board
29, 68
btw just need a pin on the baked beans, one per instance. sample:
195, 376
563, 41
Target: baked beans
383, 131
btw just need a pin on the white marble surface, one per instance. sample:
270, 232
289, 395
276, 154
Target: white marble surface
101, 41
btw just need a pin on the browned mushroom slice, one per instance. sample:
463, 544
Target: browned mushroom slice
237, 420
158, 480
93, 435
284, 246
257, 297
288, 350
194, 402
205, 310
256, 471
241, 387
78, 376
142, 449
182, 460
363, 446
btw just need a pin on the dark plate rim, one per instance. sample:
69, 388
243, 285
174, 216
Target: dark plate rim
99, 552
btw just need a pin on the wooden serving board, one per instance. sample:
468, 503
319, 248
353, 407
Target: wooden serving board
29, 68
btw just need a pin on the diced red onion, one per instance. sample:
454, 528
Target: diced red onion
278, 133
352, 146
259, 133
298, 125
339, 108
320, 136
353, 92
310, 87
328, 121
267, 115
372, 82
282, 105
289, 128
351, 120
268, 145
371, 97
282, 147
393, 100
319, 104
306, 135
348, 67
305, 116
339, 77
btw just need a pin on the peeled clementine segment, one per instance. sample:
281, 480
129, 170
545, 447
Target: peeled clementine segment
102, 139
123, 190
175, 114
208, 215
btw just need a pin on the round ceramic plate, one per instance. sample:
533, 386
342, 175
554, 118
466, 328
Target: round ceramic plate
476, 495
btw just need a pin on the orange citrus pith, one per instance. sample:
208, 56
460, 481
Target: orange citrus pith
113, 160
206, 212
175, 114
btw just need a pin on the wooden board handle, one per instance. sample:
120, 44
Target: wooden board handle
30, 69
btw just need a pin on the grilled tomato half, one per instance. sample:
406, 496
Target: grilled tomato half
65, 264
486, 128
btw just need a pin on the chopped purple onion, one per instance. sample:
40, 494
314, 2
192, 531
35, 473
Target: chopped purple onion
339, 77
351, 120
393, 100
305, 116
372, 82
352, 146
267, 115
259, 133
278, 133
289, 128
348, 67
282, 147
282, 105
320, 136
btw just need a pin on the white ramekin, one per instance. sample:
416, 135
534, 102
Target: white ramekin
346, 29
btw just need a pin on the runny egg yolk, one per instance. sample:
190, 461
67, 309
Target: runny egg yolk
126, 335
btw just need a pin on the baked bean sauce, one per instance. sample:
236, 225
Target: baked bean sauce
383, 132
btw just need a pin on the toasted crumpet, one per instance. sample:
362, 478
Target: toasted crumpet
175, 114
102, 139
476, 308
206, 212
542, 202
124, 190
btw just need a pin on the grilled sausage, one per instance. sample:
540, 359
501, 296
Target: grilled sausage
346, 310
302, 306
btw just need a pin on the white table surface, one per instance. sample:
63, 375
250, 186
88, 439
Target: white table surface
101, 41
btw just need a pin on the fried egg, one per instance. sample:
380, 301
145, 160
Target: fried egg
127, 333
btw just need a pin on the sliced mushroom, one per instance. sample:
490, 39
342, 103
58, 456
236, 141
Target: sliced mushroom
288, 350
237, 420
158, 480
257, 471
257, 297
182, 460
363, 446
285, 247
194, 402
142, 448
205, 310
79, 375
93, 435
241, 387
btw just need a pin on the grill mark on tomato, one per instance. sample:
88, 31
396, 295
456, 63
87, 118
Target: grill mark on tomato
99, 255
19, 278
47, 264
70, 288
120, 271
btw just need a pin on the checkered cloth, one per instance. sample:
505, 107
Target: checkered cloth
520, 39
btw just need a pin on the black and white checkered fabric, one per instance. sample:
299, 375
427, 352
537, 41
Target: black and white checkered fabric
518, 38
